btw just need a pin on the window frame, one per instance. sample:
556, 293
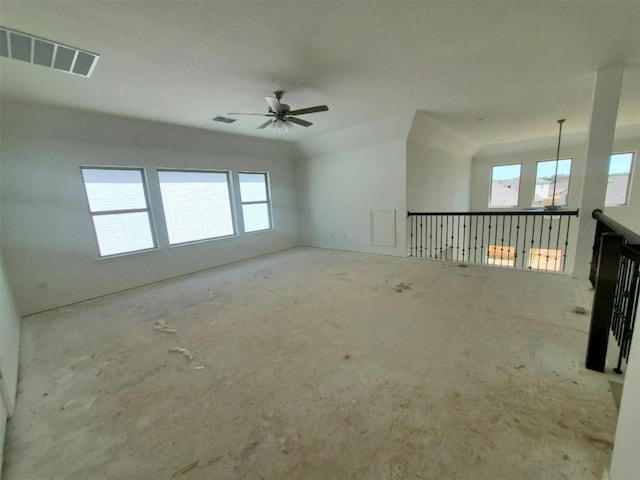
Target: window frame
629, 182
535, 180
491, 185
267, 181
145, 189
230, 191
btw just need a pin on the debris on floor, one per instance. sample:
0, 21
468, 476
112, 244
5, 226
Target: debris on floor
185, 469
580, 310
347, 356
68, 404
183, 351
401, 287
161, 326
199, 367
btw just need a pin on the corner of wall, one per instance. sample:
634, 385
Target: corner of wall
9, 342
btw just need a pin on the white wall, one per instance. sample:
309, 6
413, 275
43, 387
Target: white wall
342, 176
9, 349
625, 460
48, 245
9, 338
438, 167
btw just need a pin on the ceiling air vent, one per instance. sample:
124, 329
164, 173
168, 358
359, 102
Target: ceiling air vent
32, 49
221, 119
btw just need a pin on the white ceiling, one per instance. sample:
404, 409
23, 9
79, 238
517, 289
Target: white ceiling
522, 64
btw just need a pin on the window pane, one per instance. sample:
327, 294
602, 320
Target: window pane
196, 205
505, 185
501, 255
545, 175
256, 217
123, 232
109, 189
545, 259
253, 187
618, 183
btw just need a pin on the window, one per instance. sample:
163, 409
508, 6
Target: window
197, 205
119, 209
545, 259
254, 194
501, 255
620, 165
505, 185
544, 192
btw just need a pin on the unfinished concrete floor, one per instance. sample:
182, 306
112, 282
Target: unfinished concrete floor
317, 365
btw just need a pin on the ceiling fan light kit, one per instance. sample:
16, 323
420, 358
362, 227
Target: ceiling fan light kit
281, 117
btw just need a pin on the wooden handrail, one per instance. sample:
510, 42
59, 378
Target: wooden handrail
629, 235
573, 213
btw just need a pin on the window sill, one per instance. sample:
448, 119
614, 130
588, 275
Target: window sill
127, 254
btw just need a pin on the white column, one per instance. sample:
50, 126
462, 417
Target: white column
606, 94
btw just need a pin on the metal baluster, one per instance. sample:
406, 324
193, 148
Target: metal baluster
566, 244
628, 317
435, 245
464, 234
549, 241
458, 241
533, 234
441, 226
475, 242
482, 240
617, 300
555, 264
446, 245
515, 248
501, 239
540, 241
624, 281
632, 312
495, 238
411, 236
430, 235
509, 242
469, 237
524, 241
421, 219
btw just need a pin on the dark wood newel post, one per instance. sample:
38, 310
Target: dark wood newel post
603, 300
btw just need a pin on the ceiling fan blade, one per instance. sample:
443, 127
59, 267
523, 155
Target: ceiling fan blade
265, 124
299, 121
274, 104
261, 114
302, 111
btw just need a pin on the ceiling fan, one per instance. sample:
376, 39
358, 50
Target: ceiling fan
281, 117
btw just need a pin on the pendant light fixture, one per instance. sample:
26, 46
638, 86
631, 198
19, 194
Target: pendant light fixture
553, 206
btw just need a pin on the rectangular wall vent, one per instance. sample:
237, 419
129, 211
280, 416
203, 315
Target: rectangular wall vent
219, 118
40, 51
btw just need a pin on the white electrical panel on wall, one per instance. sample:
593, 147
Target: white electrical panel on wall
382, 224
